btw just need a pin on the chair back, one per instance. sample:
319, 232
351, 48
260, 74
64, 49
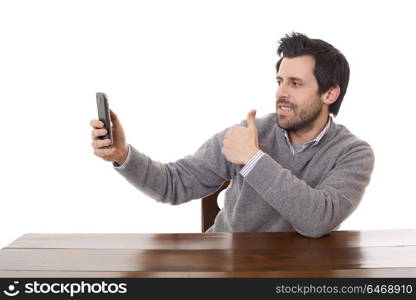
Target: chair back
210, 208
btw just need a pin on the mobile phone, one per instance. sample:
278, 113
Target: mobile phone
104, 115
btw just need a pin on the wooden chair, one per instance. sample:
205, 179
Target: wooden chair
210, 208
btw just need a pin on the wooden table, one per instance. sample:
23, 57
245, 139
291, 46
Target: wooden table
377, 253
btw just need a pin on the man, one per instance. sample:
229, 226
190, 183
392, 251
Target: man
293, 170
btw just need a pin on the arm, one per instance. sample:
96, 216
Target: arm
191, 177
314, 212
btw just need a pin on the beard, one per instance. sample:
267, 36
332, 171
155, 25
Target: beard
300, 118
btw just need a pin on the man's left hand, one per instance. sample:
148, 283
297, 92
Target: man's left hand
241, 143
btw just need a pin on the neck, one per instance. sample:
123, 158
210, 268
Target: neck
308, 134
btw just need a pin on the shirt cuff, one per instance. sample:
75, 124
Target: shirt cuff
123, 166
251, 163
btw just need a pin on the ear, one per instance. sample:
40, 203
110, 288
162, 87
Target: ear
331, 95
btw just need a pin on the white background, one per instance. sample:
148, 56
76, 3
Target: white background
177, 72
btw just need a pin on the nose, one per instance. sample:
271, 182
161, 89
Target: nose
282, 92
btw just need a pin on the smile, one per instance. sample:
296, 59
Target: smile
284, 109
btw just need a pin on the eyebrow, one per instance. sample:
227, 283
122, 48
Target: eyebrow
290, 78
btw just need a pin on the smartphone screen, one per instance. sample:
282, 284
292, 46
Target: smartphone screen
104, 114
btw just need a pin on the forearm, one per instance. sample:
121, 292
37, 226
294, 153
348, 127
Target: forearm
312, 212
145, 174
177, 182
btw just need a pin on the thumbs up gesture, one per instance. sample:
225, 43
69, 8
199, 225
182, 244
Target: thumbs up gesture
241, 143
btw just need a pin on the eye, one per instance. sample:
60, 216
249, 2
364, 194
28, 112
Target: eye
278, 82
295, 83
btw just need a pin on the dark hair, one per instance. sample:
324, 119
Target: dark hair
331, 66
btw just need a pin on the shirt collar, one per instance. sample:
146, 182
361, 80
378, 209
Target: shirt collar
318, 137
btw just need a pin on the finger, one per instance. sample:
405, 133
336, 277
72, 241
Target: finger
97, 144
251, 117
96, 124
96, 133
104, 153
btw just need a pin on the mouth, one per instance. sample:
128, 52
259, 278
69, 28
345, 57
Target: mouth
284, 109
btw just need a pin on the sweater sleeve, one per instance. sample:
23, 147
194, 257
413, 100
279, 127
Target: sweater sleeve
191, 177
314, 212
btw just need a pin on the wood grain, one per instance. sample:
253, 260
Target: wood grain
384, 253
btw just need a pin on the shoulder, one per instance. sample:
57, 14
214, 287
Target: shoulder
348, 143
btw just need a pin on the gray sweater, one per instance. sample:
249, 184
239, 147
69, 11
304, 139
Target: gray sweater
311, 192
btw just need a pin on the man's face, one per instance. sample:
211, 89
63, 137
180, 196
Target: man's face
298, 103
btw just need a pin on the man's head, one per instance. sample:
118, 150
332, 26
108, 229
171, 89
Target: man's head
313, 78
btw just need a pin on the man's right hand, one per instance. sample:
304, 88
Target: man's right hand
116, 152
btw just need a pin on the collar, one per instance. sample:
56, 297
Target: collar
318, 137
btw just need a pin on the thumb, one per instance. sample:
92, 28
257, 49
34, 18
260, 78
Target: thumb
251, 124
114, 119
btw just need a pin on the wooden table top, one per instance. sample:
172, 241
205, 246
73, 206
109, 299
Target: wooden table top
373, 253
